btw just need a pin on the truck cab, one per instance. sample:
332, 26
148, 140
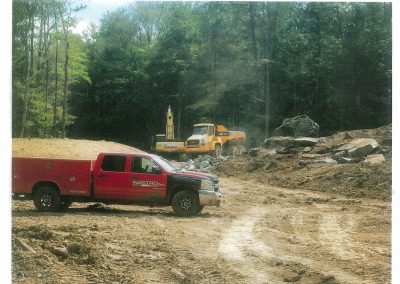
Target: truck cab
204, 140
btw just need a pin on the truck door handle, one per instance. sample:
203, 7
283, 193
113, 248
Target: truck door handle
133, 178
102, 176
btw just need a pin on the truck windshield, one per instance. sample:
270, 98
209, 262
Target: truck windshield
164, 163
200, 130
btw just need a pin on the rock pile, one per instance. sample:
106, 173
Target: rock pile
317, 150
203, 163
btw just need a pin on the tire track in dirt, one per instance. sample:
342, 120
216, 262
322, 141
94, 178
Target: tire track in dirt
335, 234
296, 232
240, 246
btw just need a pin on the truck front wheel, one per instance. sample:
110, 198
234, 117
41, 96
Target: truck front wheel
217, 151
186, 203
46, 199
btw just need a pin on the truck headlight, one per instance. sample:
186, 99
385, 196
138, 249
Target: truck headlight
203, 141
207, 184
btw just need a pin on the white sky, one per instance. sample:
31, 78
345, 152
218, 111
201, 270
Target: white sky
95, 10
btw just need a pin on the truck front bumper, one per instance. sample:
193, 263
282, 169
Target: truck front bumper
210, 198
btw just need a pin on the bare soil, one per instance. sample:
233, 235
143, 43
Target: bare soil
66, 148
261, 234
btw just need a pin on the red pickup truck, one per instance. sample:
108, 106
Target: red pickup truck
112, 178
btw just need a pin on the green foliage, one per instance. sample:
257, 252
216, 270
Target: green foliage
209, 61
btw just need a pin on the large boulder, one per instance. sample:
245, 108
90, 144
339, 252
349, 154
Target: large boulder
358, 148
299, 126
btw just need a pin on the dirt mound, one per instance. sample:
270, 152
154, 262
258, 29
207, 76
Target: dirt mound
66, 148
287, 170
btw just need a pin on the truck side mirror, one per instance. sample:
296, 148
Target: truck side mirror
155, 170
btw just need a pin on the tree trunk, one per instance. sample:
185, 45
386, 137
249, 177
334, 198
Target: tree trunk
56, 86
252, 8
46, 85
65, 100
32, 23
64, 108
39, 64
267, 90
318, 61
27, 80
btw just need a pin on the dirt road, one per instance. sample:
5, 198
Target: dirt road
261, 234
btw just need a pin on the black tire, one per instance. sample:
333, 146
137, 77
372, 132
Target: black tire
186, 203
200, 209
65, 204
235, 151
217, 151
46, 199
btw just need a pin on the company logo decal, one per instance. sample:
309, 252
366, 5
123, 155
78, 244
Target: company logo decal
146, 183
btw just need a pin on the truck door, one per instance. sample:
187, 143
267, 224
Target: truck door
147, 185
122, 177
111, 178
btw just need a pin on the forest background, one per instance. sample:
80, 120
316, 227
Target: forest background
247, 65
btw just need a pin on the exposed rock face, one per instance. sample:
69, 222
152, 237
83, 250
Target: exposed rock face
299, 126
358, 148
289, 142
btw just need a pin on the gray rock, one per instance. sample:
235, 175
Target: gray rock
305, 141
311, 156
291, 150
204, 164
289, 142
317, 161
359, 148
328, 279
347, 160
254, 152
322, 149
338, 155
375, 159
297, 126
347, 136
60, 251
223, 158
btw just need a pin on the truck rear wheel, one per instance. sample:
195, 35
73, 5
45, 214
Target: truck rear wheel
242, 150
46, 199
186, 203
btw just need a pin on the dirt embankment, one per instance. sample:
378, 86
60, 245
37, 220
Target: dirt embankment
66, 148
352, 180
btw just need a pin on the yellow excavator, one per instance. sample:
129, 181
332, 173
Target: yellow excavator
167, 144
